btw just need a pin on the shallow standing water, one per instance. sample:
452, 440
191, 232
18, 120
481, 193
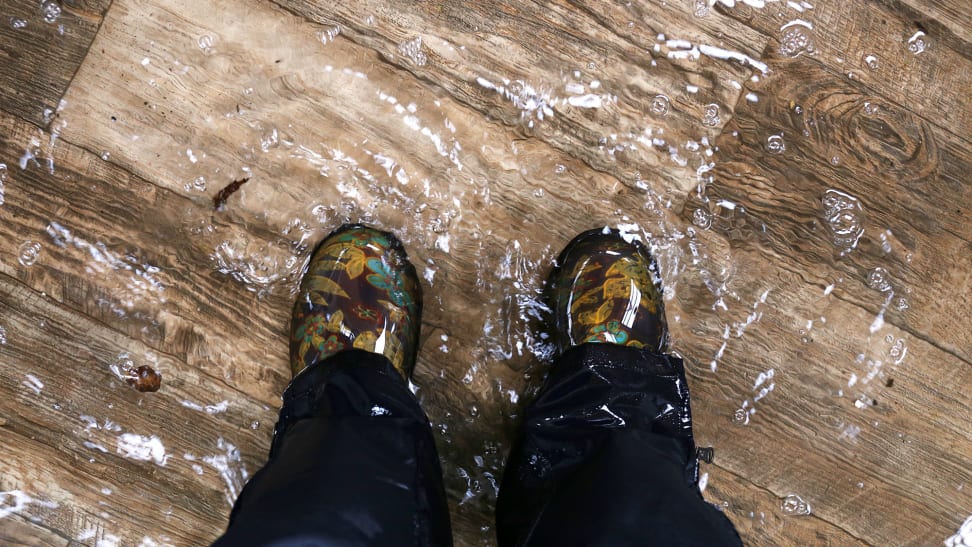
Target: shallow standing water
798, 294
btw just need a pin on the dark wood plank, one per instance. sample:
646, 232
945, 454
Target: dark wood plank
909, 179
759, 517
950, 19
828, 431
41, 50
101, 458
928, 79
127, 261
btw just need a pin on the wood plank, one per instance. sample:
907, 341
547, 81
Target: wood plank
618, 136
848, 456
758, 516
873, 395
949, 19
34, 78
930, 83
128, 261
102, 458
355, 127
621, 47
907, 175
19, 531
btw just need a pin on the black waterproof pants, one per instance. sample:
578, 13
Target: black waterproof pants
605, 456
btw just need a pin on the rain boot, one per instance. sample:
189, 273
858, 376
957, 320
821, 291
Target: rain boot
605, 453
352, 460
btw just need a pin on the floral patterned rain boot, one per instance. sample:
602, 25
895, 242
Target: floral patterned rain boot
359, 291
603, 290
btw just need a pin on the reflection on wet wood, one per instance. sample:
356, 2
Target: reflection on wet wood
86, 447
830, 135
41, 46
883, 49
486, 136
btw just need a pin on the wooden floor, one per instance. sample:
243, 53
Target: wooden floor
802, 172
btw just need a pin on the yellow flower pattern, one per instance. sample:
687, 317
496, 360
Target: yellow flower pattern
603, 292
359, 292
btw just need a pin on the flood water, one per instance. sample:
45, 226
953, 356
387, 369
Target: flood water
483, 182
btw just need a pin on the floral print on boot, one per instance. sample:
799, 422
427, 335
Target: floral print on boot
603, 289
359, 291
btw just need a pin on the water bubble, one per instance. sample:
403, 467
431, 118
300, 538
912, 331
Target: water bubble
369, 20
269, 139
794, 505
798, 109
702, 218
917, 43
254, 424
711, 115
199, 184
701, 8
741, 417
320, 213
560, 169
3, 336
29, 252
660, 105
329, 34
775, 144
871, 61
835, 161
845, 219
413, 50
898, 351
18, 23
878, 279
206, 43
870, 108
796, 40
51, 10
902, 304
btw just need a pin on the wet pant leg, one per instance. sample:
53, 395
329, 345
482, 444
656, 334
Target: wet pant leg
605, 456
353, 462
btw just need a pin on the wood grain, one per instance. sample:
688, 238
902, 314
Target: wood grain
930, 83
78, 419
139, 282
40, 58
486, 145
907, 174
758, 517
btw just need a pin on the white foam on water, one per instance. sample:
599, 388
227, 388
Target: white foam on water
143, 448
15, 502
230, 467
963, 537
208, 409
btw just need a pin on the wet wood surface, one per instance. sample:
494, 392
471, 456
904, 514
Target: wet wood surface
808, 206
42, 45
